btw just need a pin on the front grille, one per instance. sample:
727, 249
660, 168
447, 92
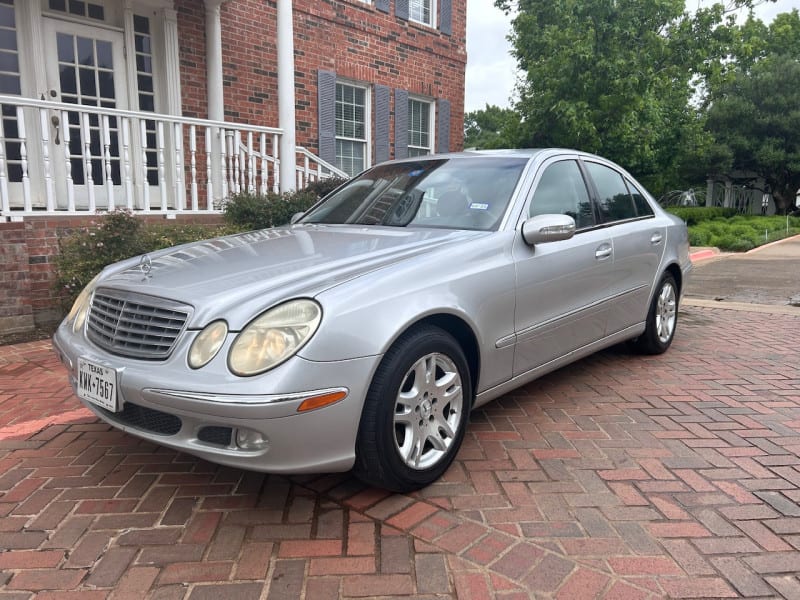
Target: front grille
135, 325
145, 418
220, 436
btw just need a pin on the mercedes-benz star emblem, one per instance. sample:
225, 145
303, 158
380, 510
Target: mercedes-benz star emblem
146, 265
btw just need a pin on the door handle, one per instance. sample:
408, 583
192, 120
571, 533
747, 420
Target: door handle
656, 238
603, 252
56, 122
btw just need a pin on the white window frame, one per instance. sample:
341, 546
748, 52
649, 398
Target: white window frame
412, 17
431, 148
367, 140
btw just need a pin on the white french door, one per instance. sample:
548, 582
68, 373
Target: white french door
86, 66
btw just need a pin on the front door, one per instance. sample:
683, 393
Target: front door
85, 66
562, 286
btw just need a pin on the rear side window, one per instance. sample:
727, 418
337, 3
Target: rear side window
643, 208
614, 201
562, 191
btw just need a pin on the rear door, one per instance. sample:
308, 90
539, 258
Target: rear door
561, 286
638, 239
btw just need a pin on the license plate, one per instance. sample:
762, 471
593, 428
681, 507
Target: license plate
97, 384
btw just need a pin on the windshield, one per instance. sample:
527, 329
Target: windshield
451, 193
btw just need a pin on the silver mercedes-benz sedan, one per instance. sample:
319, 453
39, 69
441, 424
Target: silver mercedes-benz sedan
362, 335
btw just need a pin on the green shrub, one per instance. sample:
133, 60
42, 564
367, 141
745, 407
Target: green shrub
115, 236
699, 237
256, 211
259, 211
323, 187
742, 232
697, 214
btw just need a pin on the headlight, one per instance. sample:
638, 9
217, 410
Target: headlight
274, 337
207, 344
80, 308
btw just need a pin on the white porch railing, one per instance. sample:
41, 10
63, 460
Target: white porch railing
58, 158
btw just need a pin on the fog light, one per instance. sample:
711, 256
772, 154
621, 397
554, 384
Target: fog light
247, 439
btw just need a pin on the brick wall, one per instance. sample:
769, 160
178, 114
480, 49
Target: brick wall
350, 37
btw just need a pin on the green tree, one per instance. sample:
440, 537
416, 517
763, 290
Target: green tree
490, 127
754, 116
617, 77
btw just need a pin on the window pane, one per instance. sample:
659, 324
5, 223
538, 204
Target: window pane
562, 191
8, 39
643, 208
86, 51
420, 10
419, 127
616, 203
65, 48
7, 16
350, 156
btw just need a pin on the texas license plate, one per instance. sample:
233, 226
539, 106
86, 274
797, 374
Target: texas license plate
97, 384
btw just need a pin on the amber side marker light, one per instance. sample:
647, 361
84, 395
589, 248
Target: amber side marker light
321, 401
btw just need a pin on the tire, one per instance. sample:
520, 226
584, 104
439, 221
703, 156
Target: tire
662, 319
412, 424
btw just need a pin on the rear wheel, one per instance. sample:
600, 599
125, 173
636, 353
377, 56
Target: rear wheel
415, 413
662, 319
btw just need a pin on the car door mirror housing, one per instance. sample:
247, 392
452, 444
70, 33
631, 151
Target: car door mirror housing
542, 229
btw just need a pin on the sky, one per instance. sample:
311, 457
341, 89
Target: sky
490, 67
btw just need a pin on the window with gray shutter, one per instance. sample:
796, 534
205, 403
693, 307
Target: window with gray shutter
422, 11
419, 127
326, 112
400, 124
351, 128
381, 123
443, 126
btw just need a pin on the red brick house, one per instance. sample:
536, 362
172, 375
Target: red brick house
166, 107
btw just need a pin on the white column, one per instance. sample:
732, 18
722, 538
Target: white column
216, 96
286, 103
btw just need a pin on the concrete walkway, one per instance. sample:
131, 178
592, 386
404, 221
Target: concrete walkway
617, 477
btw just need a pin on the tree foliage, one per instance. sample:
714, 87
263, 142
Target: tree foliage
754, 106
615, 77
491, 127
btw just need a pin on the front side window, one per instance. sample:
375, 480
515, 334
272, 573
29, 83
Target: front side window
351, 128
562, 191
422, 11
419, 128
614, 201
464, 193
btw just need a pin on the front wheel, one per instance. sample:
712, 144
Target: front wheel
662, 319
415, 413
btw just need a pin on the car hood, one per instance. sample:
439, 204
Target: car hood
238, 276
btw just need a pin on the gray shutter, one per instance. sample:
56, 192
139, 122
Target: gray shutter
401, 9
443, 126
446, 16
382, 5
400, 124
326, 112
381, 123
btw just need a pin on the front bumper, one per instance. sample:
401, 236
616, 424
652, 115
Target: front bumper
203, 412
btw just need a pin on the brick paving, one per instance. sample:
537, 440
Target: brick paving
616, 477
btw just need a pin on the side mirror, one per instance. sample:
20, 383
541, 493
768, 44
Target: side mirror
296, 217
547, 228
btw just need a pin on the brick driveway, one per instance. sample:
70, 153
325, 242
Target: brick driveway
617, 477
